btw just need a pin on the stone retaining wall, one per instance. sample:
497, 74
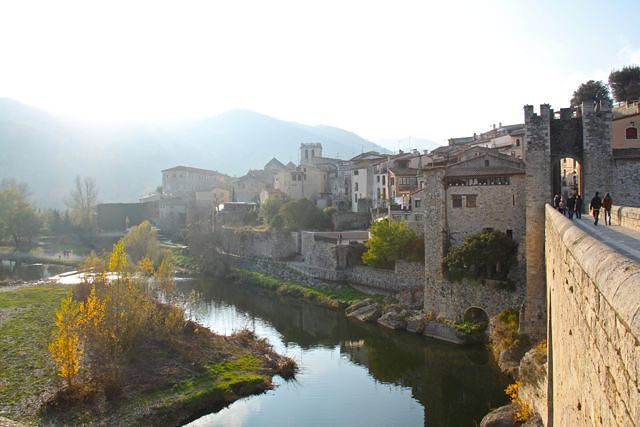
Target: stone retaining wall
406, 275
263, 244
626, 217
450, 300
594, 325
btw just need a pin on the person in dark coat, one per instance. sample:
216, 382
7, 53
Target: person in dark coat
571, 206
578, 206
594, 207
607, 202
556, 201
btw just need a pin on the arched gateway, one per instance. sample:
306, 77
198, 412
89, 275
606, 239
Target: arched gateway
583, 135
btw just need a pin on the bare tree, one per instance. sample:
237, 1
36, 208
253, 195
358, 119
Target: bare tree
83, 203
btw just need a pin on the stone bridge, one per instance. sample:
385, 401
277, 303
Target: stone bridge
593, 320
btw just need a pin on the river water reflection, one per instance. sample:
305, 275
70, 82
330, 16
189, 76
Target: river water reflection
351, 374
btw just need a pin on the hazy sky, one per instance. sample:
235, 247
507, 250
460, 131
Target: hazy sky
381, 69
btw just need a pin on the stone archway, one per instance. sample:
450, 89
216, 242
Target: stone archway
477, 315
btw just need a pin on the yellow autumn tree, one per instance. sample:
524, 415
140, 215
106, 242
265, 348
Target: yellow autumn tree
65, 346
118, 261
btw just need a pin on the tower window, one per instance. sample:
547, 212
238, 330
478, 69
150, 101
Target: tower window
631, 133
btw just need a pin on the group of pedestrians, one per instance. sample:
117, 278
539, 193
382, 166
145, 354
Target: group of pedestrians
573, 206
568, 206
604, 204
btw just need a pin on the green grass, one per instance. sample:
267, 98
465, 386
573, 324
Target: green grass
344, 294
26, 319
219, 383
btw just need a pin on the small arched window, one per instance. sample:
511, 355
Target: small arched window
632, 133
517, 142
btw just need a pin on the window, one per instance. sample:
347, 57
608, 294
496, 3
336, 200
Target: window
377, 178
457, 201
383, 180
378, 191
356, 172
510, 234
417, 203
391, 180
518, 142
471, 200
408, 180
631, 133
355, 186
486, 163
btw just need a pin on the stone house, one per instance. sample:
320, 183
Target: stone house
181, 180
484, 190
362, 171
305, 181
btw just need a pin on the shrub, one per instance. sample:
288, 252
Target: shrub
391, 241
489, 254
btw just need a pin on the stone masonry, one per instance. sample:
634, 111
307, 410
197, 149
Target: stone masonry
538, 192
598, 155
593, 329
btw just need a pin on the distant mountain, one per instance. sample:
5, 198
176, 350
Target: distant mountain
126, 159
407, 143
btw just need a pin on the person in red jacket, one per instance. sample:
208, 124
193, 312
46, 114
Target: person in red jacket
607, 202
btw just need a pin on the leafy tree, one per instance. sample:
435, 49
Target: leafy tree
142, 241
269, 209
590, 91
625, 83
391, 241
18, 220
302, 214
66, 347
82, 203
485, 255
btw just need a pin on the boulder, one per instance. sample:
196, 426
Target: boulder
394, 319
442, 332
535, 421
509, 361
358, 305
415, 323
368, 313
504, 416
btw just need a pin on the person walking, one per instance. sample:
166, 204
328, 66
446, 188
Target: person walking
571, 206
578, 206
556, 201
607, 202
594, 207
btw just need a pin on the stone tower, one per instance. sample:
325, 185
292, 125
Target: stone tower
585, 137
309, 151
435, 233
598, 154
538, 192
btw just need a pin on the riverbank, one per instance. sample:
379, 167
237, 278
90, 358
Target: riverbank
203, 373
365, 307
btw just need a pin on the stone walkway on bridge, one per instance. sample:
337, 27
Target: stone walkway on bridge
624, 240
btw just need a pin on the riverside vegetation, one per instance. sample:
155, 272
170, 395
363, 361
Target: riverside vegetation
121, 356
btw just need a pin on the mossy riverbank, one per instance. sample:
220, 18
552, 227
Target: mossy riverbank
337, 297
203, 373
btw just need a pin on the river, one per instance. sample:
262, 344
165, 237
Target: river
351, 373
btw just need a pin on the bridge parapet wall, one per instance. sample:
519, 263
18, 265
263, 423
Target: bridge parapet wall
593, 296
626, 216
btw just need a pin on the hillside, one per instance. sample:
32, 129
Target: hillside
47, 152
